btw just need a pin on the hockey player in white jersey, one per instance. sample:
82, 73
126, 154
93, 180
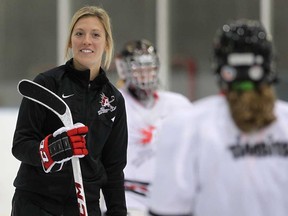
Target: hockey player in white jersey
229, 156
146, 107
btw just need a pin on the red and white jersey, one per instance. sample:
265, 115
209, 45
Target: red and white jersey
207, 166
143, 126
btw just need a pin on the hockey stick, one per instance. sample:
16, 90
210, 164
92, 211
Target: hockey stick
53, 102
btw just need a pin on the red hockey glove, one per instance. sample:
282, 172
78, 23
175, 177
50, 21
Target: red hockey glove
62, 145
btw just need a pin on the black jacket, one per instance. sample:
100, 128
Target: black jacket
106, 142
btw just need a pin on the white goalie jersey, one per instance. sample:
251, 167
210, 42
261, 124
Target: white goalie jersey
206, 166
143, 126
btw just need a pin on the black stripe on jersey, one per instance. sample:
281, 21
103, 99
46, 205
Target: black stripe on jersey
140, 188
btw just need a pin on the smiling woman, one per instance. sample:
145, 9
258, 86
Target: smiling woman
90, 35
44, 183
88, 44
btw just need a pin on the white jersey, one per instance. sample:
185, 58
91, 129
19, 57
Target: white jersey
143, 126
209, 167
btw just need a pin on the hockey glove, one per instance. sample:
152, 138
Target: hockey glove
62, 145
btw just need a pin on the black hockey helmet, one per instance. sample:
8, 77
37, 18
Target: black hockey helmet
243, 54
138, 65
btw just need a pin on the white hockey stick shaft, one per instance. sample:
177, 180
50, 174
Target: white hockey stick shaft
53, 102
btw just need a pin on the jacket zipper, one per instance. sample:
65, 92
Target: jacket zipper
87, 107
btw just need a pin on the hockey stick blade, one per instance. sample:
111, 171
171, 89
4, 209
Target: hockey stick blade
47, 98
53, 102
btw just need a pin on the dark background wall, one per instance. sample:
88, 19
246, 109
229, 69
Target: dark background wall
28, 39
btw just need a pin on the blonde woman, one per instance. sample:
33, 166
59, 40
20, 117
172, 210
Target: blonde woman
45, 185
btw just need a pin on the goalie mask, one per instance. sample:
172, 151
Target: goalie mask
138, 65
243, 55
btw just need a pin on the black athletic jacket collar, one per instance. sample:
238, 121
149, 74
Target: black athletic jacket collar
84, 76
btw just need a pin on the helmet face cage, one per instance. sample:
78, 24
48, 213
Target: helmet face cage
138, 65
243, 52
